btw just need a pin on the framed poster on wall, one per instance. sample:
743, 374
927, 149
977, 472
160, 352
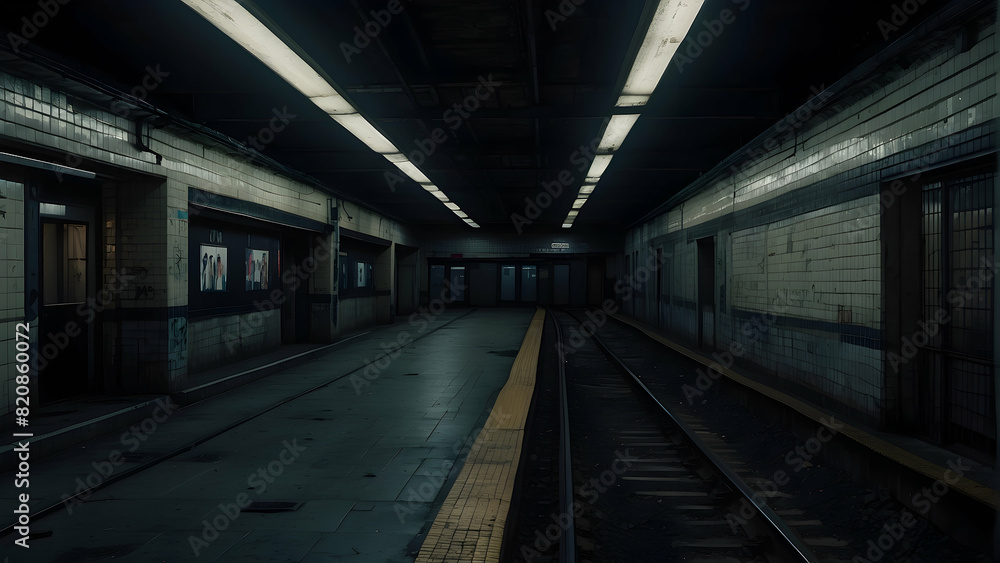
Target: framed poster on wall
248, 259
214, 267
257, 269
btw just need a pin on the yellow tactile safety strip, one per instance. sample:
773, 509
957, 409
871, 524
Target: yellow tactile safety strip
469, 527
977, 491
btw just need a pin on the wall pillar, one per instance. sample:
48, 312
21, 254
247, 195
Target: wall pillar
176, 282
385, 274
147, 332
323, 282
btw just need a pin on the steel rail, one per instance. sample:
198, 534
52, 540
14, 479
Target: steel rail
790, 539
567, 545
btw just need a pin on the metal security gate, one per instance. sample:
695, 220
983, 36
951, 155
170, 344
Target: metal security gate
956, 391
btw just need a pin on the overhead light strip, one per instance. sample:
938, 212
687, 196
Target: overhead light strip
670, 24
250, 33
616, 131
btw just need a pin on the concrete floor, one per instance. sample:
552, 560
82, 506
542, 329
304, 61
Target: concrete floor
368, 458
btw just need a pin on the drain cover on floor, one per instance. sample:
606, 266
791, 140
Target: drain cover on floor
272, 506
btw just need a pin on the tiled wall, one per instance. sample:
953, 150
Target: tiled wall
356, 313
241, 336
944, 94
140, 245
144, 230
11, 285
797, 232
818, 266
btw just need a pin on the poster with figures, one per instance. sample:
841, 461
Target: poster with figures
256, 273
214, 268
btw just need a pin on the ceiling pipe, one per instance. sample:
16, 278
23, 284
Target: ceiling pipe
207, 135
141, 145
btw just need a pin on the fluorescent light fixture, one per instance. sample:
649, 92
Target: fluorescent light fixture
395, 157
235, 21
471, 223
632, 101
334, 104
51, 209
230, 17
599, 166
616, 131
671, 22
430, 187
413, 172
461, 213
452, 206
365, 132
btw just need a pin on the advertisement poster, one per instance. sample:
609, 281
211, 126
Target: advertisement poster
214, 268
256, 277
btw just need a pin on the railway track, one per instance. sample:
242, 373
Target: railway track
639, 483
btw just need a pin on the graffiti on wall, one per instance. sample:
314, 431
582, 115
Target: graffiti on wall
177, 347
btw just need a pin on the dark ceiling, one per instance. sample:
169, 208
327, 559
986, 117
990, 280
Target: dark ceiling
558, 80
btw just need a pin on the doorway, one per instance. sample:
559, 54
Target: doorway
66, 264
457, 287
956, 381
529, 283
508, 283
560, 294
295, 249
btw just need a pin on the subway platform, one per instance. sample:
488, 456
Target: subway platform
362, 451
357, 442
